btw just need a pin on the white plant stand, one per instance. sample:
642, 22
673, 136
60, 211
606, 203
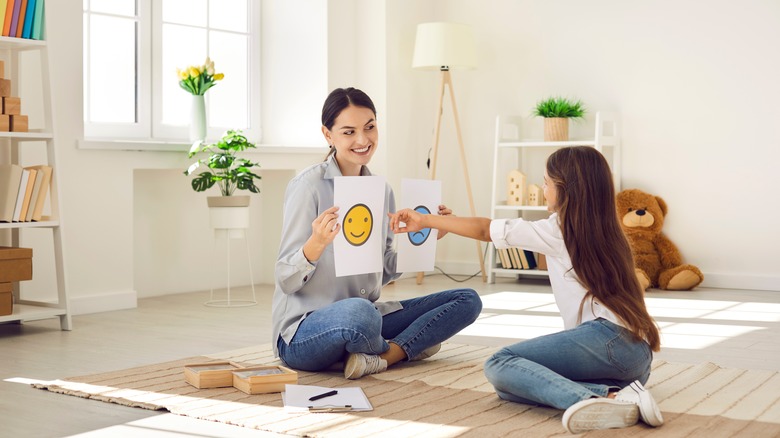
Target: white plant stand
231, 223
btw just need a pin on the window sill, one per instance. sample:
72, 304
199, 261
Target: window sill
178, 146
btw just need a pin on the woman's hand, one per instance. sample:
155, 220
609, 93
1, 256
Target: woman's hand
411, 218
324, 230
443, 211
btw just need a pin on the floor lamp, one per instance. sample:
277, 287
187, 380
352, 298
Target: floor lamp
441, 46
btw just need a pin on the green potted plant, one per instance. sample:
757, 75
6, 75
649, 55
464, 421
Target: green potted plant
225, 169
556, 112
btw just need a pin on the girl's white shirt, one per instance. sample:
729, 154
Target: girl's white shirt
545, 237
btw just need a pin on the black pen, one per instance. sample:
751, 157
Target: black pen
327, 394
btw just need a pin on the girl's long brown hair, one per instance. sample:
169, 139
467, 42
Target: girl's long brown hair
599, 251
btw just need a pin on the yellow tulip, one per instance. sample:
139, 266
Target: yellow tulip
182, 74
194, 72
219, 76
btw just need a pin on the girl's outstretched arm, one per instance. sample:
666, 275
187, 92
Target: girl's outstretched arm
473, 227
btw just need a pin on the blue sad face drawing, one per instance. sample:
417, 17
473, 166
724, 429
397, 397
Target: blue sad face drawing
419, 237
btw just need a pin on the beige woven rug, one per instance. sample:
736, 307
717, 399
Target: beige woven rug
445, 396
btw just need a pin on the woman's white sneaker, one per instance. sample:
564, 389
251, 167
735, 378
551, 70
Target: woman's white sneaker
361, 364
648, 409
599, 413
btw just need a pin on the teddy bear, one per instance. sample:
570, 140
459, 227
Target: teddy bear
657, 261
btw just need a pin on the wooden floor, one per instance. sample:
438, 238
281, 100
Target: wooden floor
732, 328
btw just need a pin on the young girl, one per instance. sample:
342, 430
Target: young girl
596, 367
319, 318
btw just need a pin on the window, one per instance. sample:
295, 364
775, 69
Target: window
132, 49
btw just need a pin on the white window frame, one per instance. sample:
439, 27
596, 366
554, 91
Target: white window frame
149, 76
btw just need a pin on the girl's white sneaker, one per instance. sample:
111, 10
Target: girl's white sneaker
648, 409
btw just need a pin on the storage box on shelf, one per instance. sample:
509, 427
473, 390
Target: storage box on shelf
13, 145
513, 156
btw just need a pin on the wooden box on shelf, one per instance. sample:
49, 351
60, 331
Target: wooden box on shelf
12, 105
6, 299
263, 379
15, 264
18, 123
210, 375
5, 122
5, 87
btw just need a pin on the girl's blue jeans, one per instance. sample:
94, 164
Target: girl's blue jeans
354, 325
564, 368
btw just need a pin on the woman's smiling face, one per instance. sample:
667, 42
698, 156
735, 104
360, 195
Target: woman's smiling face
354, 135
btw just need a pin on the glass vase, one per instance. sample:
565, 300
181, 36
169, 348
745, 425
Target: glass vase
198, 119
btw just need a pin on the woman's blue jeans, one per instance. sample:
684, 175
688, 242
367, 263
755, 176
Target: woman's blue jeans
564, 368
354, 325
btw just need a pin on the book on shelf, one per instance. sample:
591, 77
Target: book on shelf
500, 258
541, 261
20, 20
3, 6
505, 258
515, 259
15, 18
521, 258
37, 25
27, 194
529, 256
20, 194
34, 197
28, 19
43, 192
9, 13
10, 178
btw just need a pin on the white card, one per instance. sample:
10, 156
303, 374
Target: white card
359, 246
417, 250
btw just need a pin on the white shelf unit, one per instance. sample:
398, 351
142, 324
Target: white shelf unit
12, 144
529, 156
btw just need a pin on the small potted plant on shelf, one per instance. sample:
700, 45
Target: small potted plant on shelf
556, 112
225, 169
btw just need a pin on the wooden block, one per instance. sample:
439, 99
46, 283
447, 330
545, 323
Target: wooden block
5, 87
210, 375
15, 264
6, 299
263, 379
12, 105
18, 123
5, 122
2, 69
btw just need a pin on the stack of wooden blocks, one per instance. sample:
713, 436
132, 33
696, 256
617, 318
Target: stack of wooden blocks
11, 118
15, 265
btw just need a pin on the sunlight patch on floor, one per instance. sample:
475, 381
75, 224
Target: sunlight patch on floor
681, 335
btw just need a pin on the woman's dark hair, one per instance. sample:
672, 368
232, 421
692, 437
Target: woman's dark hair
599, 250
339, 99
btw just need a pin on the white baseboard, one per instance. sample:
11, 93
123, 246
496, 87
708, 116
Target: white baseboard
713, 280
742, 282
104, 302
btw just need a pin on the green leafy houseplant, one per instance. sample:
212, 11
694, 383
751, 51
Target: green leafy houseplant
560, 107
224, 167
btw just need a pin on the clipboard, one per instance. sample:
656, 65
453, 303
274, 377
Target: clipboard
348, 399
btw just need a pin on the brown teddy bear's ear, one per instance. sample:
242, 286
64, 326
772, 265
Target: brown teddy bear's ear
662, 204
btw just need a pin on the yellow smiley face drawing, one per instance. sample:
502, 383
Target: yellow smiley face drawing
358, 223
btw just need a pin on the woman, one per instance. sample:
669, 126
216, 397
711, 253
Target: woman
319, 318
596, 367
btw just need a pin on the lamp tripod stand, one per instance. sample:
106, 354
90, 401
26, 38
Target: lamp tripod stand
446, 80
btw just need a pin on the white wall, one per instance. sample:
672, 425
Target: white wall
696, 86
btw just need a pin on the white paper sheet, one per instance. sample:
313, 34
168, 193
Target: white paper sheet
358, 248
296, 398
417, 251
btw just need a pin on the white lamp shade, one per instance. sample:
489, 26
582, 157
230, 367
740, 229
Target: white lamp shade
444, 45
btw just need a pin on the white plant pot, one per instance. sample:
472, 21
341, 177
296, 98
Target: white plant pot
229, 212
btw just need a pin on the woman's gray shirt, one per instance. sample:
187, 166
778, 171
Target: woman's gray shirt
303, 287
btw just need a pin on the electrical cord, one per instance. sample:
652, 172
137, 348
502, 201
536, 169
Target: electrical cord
451, 276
